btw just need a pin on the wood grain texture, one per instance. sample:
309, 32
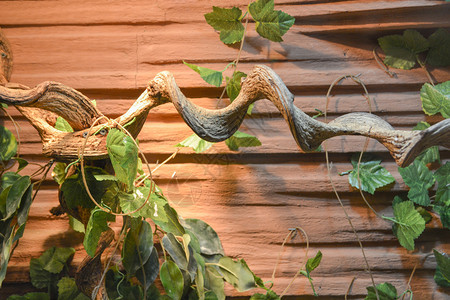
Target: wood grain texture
110, 49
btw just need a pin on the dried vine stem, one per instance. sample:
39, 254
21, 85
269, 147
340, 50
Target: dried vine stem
217, 125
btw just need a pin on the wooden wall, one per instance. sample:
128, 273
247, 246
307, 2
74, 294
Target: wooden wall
110, 49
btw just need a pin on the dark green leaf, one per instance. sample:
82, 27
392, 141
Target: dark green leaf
409, 224
442, 275
62, 125
270, 24
137, 246
439, 54
8, 144
98, 222
31, 296
444, 214
419, 179
431, 154
44, 270
15, 194
386, 291
54, 259
241, 139
68, 290
314, 262
150, 269
172, 279
184, 260
228, 22
74, 192
208, 239
234, 84
436, 99
5, 250
22, 163
401, 50
124, 156
25, 203
371, 174
442, 176
172, 224
196, 143
210, 76
237, 274
8, 179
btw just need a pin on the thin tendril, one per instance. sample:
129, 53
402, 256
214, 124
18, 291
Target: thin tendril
357, 80
306, 259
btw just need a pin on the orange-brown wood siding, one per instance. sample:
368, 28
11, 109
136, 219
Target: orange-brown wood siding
110, 49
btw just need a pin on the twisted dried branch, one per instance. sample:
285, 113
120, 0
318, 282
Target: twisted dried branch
211, 125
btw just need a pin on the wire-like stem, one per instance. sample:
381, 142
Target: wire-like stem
357, 80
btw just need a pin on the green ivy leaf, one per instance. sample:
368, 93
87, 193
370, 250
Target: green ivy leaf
444, 214
75, 194
431, 154
371, 174
442, 275
62, 125
137, 246
386, 291
401, 50
228, 22
208, 239
436, 99
44, 269
237, 274
424, 214
68, 290
8, 144
242, 139
409, 224
270, 24
442, 176
98, 222
270, 295
124, 156
439, 54
210, 76
31, 296
419, 179
172, 279
196, 143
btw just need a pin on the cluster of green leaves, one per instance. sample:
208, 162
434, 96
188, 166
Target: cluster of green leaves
195, 267
50, 271
15, 198
270, 24
402, 51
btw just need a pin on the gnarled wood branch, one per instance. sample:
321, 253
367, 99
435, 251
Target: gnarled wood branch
212, 125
